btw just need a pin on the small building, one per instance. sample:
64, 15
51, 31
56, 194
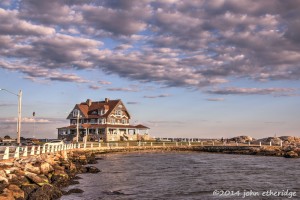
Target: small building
107, 120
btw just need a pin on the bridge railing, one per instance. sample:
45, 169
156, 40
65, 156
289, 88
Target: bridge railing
51, 148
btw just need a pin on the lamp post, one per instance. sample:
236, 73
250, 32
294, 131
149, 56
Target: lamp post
19, 95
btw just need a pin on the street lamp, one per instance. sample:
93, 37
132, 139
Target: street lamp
19, 95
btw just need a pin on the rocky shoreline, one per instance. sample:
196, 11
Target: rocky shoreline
42, 177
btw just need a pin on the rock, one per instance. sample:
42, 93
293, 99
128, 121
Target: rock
72, 191
291, 154
2, 173
60, 180
3, 183
92, 169
46, 168
17, 192
40, 180
72, 182
30, 168
46, 192
28, 189
7, 195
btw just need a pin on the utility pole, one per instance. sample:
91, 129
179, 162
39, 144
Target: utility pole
77, 127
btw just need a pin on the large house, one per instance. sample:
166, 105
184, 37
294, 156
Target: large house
106, 120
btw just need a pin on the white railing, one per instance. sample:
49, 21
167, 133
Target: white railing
51, 148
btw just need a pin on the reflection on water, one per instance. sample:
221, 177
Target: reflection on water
187, 175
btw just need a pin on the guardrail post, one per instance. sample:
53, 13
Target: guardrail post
189, 143
248, 143
51, 149
281, 143
78, 146
48, 148
92, 145
260, 144
38, 151
32, 151
84, 145
44, 149
213, 143
17, 152
25, 151
270, 143
6, 154
99, 145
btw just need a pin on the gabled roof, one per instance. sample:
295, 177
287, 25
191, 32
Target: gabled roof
87, 108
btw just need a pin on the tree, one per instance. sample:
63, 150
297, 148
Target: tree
7, 137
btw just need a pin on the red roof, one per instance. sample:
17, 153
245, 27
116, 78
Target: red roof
106, 126
87, 110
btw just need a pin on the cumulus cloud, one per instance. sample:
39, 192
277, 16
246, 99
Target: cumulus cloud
190, 44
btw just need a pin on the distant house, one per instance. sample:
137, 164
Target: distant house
107, 120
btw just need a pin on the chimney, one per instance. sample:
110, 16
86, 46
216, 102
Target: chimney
89, 102
106, 100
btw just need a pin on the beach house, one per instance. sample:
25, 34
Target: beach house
107, 120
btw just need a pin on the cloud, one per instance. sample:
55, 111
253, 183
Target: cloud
188, 44
94, 87
215, 99
7, 104
133, 102
123, 89
157, 96
104, 82
252, 91
28, 120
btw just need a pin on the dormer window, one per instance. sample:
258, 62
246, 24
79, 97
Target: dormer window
102, 111
94, 112
75, 112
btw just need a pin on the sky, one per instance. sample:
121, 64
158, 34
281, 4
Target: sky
184, 68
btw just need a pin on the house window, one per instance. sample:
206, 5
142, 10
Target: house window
118, 112
93, 121
112, 120
103, 121
102, 111
123, 121
75, 112
73, 121
94, 112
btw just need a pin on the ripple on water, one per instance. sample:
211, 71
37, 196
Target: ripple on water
186, 175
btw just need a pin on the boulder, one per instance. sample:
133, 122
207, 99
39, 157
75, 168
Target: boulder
46, 168
60, 180
40, 180
7, 195
46, 192
28, 189
291, 154
3, 183
92, 169
30, 168
17, 192
72, 191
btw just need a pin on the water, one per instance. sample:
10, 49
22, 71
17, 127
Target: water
188, 175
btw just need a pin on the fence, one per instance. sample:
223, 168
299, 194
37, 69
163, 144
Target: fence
24, 151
